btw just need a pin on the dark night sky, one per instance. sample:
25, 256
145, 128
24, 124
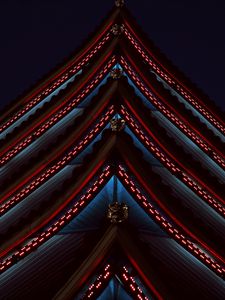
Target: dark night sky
38, 34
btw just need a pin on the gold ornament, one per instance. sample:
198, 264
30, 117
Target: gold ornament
117, 125
117, 213
119, 3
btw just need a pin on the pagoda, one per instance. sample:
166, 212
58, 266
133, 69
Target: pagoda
112, 178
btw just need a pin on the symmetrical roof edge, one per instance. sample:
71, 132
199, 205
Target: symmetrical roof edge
126, 156
112, 235
145, 40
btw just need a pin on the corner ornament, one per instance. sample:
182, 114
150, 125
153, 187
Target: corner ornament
117, 124
117, 29
116, 73
119, 3
117, 213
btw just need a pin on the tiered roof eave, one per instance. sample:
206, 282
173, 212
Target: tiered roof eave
57, 161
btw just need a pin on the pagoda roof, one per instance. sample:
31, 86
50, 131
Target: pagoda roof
114, 127
118, 14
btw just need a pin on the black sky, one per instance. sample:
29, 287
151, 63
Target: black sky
38, 34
